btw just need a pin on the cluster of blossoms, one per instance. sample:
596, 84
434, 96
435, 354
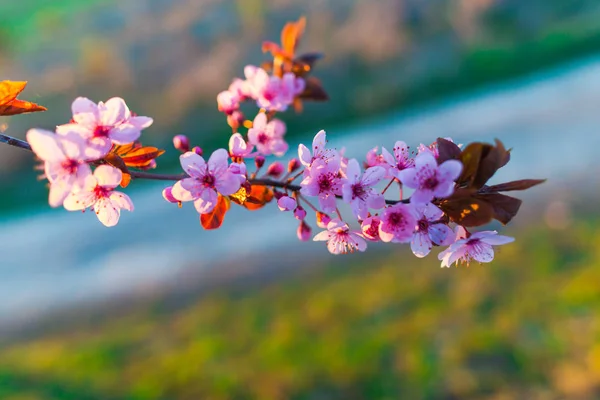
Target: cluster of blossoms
99, 149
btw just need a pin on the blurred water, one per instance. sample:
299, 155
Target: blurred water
57, 258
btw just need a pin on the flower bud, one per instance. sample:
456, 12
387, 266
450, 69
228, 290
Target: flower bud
235, 119
322, 220
168, 195
299, 213
303, 232
293, 165
286, 203
198, 150
259, 161
181, 143
275, 169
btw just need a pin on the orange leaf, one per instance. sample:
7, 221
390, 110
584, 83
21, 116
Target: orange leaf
291, 34
116, 161
10, 105
135, 156
258, 197
214, 219
125, 180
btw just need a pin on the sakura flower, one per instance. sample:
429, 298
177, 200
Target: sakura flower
206, 180
477, 247
397, 223
370, 228
375, 159
228, 102
319, 152
239, 171
268, 136
429, 179
64, 161
429, 231
399, 161
340, 240
286, 203
238, 147
272, 93
359, 192
103, 124
323, 181
97, 192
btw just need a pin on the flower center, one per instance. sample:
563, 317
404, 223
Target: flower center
101, 192
70, 166
326, 182
101, 131
397, 220
431, 182
423, 225
208, 181
262, 138
358, 191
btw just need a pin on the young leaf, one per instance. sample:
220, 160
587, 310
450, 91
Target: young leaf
467, 211
136, 156
447, 150
504, 207
522, 184
10, 105
116, 161
214, 219
258, 197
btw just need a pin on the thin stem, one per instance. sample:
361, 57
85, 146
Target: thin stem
15, 142
388, 186
339, 214
307, 202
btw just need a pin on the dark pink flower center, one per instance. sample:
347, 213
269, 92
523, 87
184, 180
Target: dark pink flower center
70, 166
423, 225
262, 138
373, 231
397, 220
431, 183
326, 182
101, 131
358, 191
208, 181
101, 192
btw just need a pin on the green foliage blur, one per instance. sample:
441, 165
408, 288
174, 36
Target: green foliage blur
374, 326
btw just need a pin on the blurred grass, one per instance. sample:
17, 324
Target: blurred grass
375, 326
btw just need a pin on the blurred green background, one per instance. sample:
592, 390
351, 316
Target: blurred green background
284, 322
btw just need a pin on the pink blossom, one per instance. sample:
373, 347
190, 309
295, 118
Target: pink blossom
375, 159
324, 182
228, 102
103, 124
239, 148
429, 231
64, 161
168, 195
319, 152
477, 247
286, 203
429, 179
267, 136
303, 231
97, 191
399, 161
272, 92
239, 171
206, 180
340, 240
397, 223
370, 228
359, 192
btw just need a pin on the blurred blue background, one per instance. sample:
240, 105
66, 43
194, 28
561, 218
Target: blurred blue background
157, 308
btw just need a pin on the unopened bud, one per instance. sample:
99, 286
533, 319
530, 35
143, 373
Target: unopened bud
198, 150
293, 165
299, 213
235, 119
322, 220
277, 194
259, 161
168, 195
181, 143
275, 169
286, 203
303, 232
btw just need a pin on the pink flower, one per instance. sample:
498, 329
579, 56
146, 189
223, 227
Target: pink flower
272, 92
429, 231
319, 152
98, 192
370, 228
303, 231
103, 124
359, 192
399, 161
206, 180
397, 223
286, 203
340, 240
268, 136
477, 247
239, 171
323, 181
168, 195
64, 161
429, 179
228, 102
374, 159
239, 148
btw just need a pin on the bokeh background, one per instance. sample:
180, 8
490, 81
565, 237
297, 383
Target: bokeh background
157, 308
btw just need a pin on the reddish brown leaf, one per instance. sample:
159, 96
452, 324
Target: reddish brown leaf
522, 184
116, 161
125, 180
136, 156
314, 90
480, 162
464, 209
10, 105
447, 150
504, 207
258, 197
214, 219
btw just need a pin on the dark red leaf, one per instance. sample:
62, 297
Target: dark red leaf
504, 207
522, 184
447, 150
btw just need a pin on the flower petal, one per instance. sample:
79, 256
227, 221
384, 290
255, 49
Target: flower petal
187, 189
408, 177
319, 141
58, 194
228, 183
322, 236
421, 244
124, 133
304, 155
113, 112
121, 200
193, 164
450, 169
441, 234
206, 202
217, 163
45, 145
141, 122
373, 176
482, 252
107, 176
107, 212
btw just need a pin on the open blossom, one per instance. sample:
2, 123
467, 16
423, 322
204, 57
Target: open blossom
319, 152
477, 247
359, 192
267, 136
370, 228
397, 223
340, 240
374, 158
98, 192
206, 180
272, 93
64, 161
399, 161
323, 181
429, 179
103, 124
429, 231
